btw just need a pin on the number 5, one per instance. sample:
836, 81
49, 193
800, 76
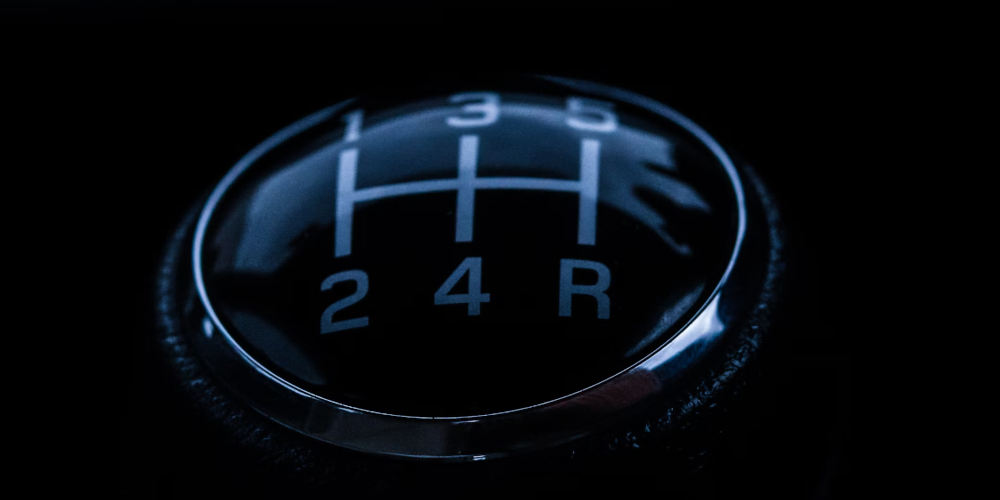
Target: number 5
598, 114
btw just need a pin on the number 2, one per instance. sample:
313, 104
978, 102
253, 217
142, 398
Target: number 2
326, 323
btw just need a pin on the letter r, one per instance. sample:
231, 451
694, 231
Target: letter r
567, 288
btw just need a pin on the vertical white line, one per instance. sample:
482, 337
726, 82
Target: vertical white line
353, 121
586, 232
346, 177
468, 157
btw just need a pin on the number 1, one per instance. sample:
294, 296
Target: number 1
353, 121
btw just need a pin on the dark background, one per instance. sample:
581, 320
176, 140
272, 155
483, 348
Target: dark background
137, 122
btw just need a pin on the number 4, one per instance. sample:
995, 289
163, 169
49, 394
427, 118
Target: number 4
474, 266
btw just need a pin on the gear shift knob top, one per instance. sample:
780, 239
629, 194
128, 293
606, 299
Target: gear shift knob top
470, 273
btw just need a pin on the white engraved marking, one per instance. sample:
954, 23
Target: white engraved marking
327, 325
353, 121
586, 231
468, 152
567, 288
473, 266
578, 106
466, 184
346, 178
489, 108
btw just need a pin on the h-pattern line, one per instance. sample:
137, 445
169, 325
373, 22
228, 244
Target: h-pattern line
466, 185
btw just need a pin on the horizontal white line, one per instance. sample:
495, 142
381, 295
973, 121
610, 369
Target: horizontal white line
419, 187
526, 183
390, 190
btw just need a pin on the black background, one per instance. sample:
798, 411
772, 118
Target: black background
136, 123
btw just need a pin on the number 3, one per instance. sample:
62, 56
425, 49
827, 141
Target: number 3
489, 108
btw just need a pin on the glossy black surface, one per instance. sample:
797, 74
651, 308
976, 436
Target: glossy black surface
666, 225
